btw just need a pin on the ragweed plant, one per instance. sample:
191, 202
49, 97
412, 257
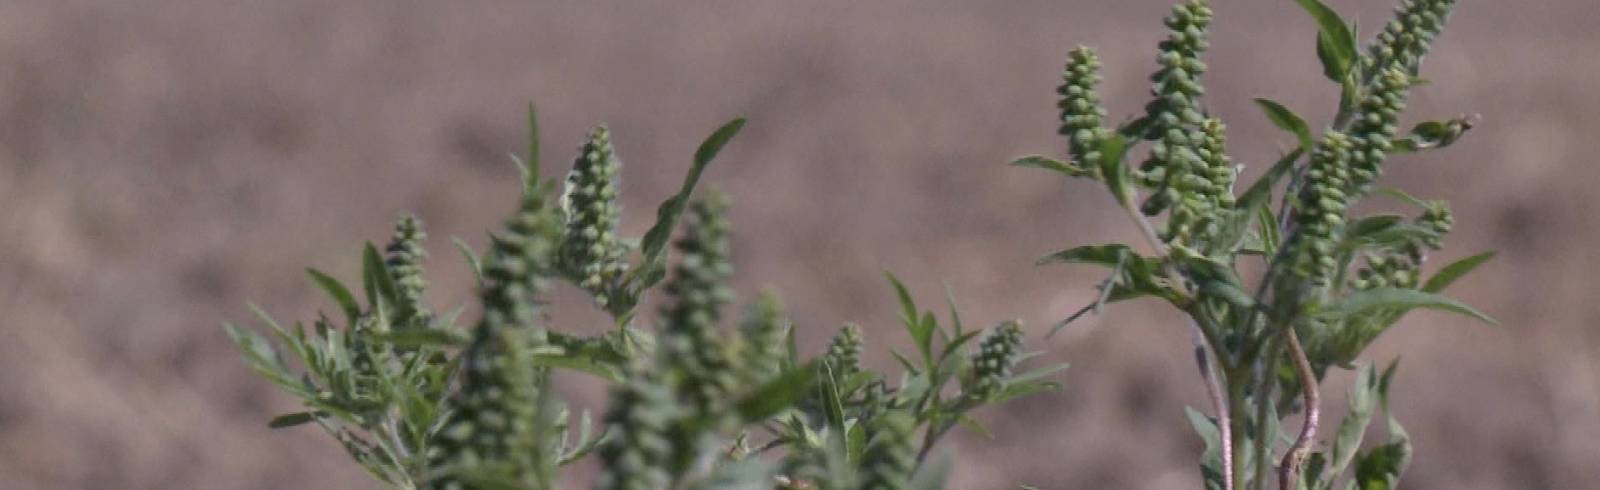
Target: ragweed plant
1333, 280
697, 401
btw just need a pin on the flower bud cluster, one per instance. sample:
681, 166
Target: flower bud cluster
403, 257
1082, 116
890, 455
1203, 191
1375, 127
997, 354
591, 253
1175, 114
638, 451
1407, 38
844, 352
1323, 206
1400, 266
490, 428
690, 333
765, 334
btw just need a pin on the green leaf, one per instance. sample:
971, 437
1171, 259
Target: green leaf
473, 261
1336, 44
653, 245
338, 292
1380, 468
376, 279
1047, 163
1112, 151
776, 395
908, 307
421, 337
1229, 292
1362, 398
531, 177
290, 420
1373, 224
1211, 459
1450, 273
1400, 299
1287, 120
1108, 255
1406, 198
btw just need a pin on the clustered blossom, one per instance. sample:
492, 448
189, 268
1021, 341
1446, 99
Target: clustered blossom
403, 257
1175, 165
1324, 202
765, 330
690, 332
1082, 116
1205, 192
844, 352
890, 456
639, 451
1374, 128
490, 433
591, 253
1407, 38
997, 354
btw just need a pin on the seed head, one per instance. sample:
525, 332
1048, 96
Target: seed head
1082, 116
691, 317
1406, 39
844, 352
591, 253
890, 457
996, 355
403, 257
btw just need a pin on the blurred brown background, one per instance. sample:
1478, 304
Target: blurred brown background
163, 163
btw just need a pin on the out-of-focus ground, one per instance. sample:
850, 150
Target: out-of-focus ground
163, 163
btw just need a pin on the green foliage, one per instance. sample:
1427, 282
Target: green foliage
694, 404
1332, 278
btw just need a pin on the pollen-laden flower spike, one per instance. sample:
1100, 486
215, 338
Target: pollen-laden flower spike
997, 354
403, 256
638, 452
1407, 38
1391, 269
1082, 116
844, 352
1439, 219
692, 315
591, 253
1323, 207
1374, 128
890, 457
490, 431
1208, 189
764, 332
1176, 113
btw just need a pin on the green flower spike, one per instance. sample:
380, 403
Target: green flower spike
490, 433
591, 253
844, 352
403, 257
1406, 39
1324, 203
1204, 190
1375, 126
1082, 116
690, 333
765, 333
1175, 113
996, 355
638, 452
890, 456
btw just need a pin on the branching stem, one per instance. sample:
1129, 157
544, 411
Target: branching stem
1308, 381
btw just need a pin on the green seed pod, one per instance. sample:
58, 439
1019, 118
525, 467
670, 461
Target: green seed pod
1175, 114
1319, 220
1438, 219
996, 355
489, 432
403, 257
1374, 127
844, 352
591, 254
765, 331
692, 314
1406, 39
638, 454
890, 456
1082, 116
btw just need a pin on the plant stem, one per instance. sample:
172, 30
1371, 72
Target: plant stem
1199, 336
1308, 381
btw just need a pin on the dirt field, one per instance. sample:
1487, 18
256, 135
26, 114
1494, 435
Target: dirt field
162, 164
